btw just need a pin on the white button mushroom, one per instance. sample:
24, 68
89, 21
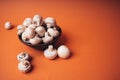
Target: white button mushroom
27, 21
63, 51
29, 33
36, 40
47, 38
37, 19
24, 66
23, 56
20, 29
50, 53
53, 32
32, 26
40, 30
49, 21
8, 25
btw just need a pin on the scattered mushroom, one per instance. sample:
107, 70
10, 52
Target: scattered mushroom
49, 21
27, 21
63, 51
24, 66
47, 38
23, 56
53, 32
8, 25
37, 19
40, 30
36, 40
50, 53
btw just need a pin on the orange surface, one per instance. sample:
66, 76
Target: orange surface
90, 29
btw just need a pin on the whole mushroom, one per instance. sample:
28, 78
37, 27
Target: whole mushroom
37, 19
50, 53
23, 56
63, 51
8, 25
50, 22
21, 29
36, 40
40, 30
53, 32
27, 21
47, 38
24, 66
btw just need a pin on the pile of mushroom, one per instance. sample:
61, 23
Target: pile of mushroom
34, 32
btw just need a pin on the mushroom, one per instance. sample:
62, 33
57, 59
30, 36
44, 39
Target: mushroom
29, 32
63, 51
32, 26
50, 52
37, 19
24, 66
49, 21
40, 30
21, 29
23, 56
36, 40
53, 32
27, 21
47, 38
8, 25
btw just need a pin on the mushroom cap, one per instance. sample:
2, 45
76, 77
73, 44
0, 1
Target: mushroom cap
36, 40
49, 21
40, 30
47, 38
27, 21
37, 19
63, 51
29, 33
8, 25
53, 32
24, 66
50, 53
23, 56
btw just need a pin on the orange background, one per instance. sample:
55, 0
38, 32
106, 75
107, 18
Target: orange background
91, 29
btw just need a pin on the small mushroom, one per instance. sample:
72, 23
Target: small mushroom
23, 56
20, 29
50, 53
29, 33
27, 21
37, 19
36, 40
53, 32
47, 38
40, 30
49, 21
8, 25
63, 51
32, 26
24, 66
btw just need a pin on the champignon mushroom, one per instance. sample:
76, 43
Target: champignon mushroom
49, 21
40, 30
53, 32
50, 52
47, 38
63, 51
21, 29
24, 66
37, 19
23, 56
29, 33
8, 25
36, 40
27, 21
